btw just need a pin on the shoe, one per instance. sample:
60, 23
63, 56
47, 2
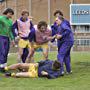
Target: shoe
69, 72
62, 74
2, 70
8, 74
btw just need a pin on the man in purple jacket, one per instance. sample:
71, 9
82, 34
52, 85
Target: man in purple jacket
65, 42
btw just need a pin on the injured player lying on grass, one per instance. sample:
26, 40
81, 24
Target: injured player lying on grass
44, 68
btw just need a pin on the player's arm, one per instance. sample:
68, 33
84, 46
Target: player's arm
15, 29
32, 35
49, 75
67, 29
50, 37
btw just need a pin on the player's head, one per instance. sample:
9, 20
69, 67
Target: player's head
59, 20
56, 65
42, 26
8, 12
58, 13
24, 14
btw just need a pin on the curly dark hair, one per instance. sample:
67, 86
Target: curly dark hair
8, 10
41, 23
58, 12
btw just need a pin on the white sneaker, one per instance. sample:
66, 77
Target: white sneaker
69, 72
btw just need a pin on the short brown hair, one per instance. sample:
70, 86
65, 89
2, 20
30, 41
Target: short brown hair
25, 12
56, 65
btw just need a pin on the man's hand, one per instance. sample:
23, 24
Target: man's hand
54, 36
44, 37
58, 36
13, 43
17, 38
44, 73
49, 38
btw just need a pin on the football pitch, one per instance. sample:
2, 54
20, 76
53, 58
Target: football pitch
78, 80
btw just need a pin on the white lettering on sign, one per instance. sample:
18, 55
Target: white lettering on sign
81, 12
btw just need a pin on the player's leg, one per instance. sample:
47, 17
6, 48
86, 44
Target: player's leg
30, 55
67, 59
17, 66
22, 44
61, 55
4, 49
22, 74
45, 51
20, 53
25, 54
64, 52
67, 62
32, 71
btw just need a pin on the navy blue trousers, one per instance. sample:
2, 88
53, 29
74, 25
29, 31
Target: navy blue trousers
25, 54
64, 55
4, 49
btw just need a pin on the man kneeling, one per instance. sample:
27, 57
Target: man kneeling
47, 68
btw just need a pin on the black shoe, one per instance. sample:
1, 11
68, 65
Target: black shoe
8, 74
2, 70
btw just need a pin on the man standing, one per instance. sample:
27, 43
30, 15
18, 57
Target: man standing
23, 28
54, 27
65, 42
5, 36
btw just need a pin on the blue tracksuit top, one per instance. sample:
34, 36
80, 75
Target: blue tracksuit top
64, 29
46, 65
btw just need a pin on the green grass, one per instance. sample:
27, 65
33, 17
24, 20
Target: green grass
78, 80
